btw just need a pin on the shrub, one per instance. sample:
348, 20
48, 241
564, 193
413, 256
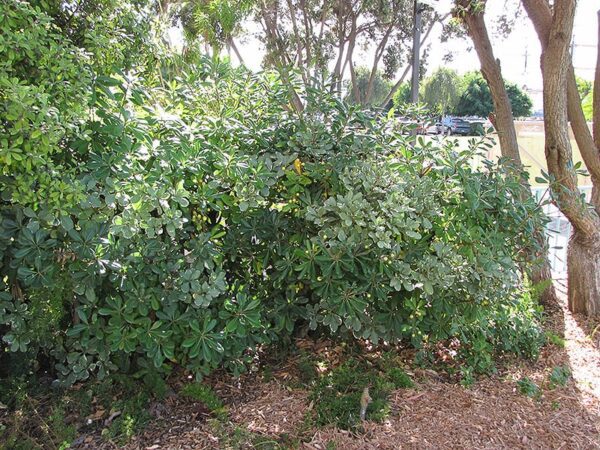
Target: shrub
208, 219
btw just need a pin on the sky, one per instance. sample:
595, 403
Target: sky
519, 53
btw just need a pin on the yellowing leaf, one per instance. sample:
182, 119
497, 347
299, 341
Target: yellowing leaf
298, 166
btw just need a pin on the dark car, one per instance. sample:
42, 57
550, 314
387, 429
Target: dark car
459, 126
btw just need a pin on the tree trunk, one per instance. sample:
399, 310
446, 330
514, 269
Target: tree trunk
401, 79
351, 44
490, 68
583, 257
396, 87
378, 54
541, 16
583, 261
596, 118
236, 51
505, 127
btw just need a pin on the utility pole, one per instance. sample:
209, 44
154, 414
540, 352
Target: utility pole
416, 52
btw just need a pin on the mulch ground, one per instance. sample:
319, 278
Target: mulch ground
491, 414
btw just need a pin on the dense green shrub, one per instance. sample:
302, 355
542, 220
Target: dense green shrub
192, 219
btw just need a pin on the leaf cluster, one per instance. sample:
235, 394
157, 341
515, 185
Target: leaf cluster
195, 219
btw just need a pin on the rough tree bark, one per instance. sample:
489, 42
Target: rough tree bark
596, 118
504, 123
490, 68
541, 16
583, 255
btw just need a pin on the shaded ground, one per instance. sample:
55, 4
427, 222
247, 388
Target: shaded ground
274, 412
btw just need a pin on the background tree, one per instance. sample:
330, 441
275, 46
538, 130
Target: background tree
309, 35
441, 91
216, 23
476, 98
381, 86
402, 95
584, 87
587, 106
520, 101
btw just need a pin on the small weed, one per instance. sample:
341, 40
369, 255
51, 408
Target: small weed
267, 374
155, 383
207, 396
307, 369
559, 376
134, 416
231, 436
399, 378
555, 405
58, 426
555, 339
337, 395
528, 388
467, 377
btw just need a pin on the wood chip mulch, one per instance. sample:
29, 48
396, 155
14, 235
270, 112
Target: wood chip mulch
436, 414
275, 410
490, 415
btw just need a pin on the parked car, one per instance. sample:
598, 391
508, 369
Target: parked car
437, 128
456, 125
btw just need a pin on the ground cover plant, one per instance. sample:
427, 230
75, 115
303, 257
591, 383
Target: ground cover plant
191, 218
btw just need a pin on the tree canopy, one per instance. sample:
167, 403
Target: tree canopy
476, 99
441, 91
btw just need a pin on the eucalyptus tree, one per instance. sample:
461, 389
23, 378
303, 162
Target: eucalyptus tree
471, 14
324, 38
562, 105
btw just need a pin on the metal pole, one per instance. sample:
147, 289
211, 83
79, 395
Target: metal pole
416, 51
